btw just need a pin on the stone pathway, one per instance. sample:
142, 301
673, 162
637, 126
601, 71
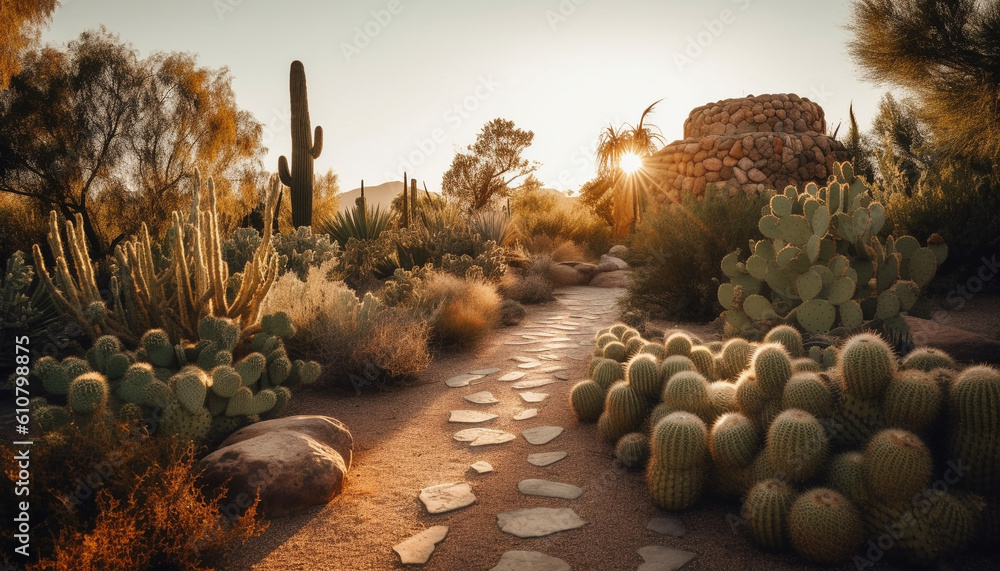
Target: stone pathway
482, 465
562, 337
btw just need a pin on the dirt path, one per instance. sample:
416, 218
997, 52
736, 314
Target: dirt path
403, 443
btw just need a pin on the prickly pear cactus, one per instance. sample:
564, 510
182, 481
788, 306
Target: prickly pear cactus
822, 266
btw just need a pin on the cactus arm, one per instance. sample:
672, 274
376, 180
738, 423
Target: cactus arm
317, 147
283, 172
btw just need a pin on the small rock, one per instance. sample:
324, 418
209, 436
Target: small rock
536, 487
541, 434
481, 467
545, 458
618, 251
532, 384
531, 365
513, 376
462, 380
483, 436
534, 397
538, 522
660, 558
470, 416
553, 368
667, 526
530, 561
447, 497
484, 372
521, 359
418, 549
526, 414
482, 397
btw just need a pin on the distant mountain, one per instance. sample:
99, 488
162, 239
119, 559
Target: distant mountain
383, 195
379, 195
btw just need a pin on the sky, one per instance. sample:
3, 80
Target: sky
404, 84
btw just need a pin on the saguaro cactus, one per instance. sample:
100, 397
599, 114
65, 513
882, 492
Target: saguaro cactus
305, 148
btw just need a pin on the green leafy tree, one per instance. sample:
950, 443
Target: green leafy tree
617, 143
947, 54
95, 130
483, 174
20, 26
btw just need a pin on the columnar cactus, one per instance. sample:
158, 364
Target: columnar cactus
305, 148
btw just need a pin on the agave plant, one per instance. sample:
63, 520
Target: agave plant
493, 225
360, 222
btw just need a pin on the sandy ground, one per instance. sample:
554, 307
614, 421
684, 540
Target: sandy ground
403, 443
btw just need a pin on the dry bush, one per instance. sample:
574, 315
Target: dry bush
512, 312
539, 215
461, 311
530, 287
109, 496
567, 251
347, 336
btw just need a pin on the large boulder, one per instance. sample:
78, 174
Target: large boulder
294, 463
964, 346
566, 274
617, 278
612, 263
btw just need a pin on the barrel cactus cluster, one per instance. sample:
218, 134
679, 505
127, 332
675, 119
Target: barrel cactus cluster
822, 265
831, 451
199, 390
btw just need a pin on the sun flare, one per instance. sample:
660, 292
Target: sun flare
630, 163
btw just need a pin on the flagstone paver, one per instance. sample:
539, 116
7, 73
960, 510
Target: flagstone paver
418, 548
443, 498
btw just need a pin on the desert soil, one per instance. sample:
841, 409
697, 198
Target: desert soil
403, 443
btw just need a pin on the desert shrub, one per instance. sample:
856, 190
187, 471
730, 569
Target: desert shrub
677, 250
461, 311
109, 496
528, 287
561, 220
511, 312
354, 339
957, 204
303, 249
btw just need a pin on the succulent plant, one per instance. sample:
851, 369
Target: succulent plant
306, 146
88, 394
797, 445
632, 450
766, 510
734, 441
824, 526
820, 251
587, 400
642, 373
897, 464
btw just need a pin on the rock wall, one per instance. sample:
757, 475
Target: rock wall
746, 145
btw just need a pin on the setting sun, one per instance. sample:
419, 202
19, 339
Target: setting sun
630, 163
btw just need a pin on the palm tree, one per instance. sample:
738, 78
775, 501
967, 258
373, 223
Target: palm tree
626, 144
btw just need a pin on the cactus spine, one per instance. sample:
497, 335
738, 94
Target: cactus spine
305, 148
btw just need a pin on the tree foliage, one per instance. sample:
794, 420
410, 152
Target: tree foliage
947, 54
483, 175
96, 130
20, 24
615, 143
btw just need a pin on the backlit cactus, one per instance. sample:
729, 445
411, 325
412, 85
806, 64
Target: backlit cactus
819, 251
587, 400
766, 510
